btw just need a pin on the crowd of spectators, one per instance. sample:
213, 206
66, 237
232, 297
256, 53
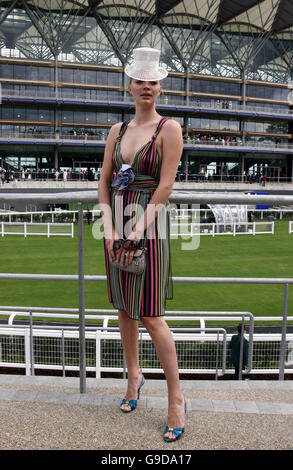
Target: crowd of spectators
92, 174
206, 176
213, 140
57, 174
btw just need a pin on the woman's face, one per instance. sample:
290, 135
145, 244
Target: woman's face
144, 92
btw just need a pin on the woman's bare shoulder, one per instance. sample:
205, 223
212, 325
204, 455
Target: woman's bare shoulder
173, 128
171, 125
115, 129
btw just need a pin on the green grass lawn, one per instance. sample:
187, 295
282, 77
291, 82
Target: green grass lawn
225, 256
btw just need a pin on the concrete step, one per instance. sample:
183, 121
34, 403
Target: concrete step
249, 396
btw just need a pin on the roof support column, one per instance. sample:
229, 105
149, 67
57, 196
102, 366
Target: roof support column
187, 85
242, 122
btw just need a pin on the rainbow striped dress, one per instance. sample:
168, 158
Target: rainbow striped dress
141, 295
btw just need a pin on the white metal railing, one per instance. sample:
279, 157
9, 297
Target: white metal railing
189, 229
58, 349
28, 229
12, 313
210, 344
52, 215
190, 316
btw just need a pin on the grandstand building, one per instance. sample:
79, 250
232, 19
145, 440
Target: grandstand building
230, 82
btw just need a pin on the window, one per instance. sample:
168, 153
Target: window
114, 78
102, 77
90, 117
79, 76
19, 71
67, 75
6, 70
19, 113
66, 115
91, 76
6, 112
33, 73
268, 92
79, 116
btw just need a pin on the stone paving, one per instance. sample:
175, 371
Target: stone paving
50, 413
104, 392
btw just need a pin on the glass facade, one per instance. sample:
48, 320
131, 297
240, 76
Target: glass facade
229, 83
215, 87
268, 92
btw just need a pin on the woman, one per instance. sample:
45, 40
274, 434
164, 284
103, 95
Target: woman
143, 155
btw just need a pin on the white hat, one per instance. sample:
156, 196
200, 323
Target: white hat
145, 65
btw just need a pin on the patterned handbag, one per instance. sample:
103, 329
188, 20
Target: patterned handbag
138, 264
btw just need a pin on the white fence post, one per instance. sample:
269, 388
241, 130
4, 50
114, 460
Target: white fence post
98, 354
27, 351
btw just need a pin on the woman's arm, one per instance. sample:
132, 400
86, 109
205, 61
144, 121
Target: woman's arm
172, 146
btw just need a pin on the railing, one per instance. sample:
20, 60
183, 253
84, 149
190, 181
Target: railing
206, 198
55, 138
49, 175
47, 215
290, 226
199, 349
231, 179
166, 100
193, 316
180, 215
190, 229
15, 175
27, 228
47, 347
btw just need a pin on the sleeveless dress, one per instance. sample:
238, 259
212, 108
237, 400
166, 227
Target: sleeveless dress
141, 295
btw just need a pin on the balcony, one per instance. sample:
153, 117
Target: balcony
85, 140
167, 102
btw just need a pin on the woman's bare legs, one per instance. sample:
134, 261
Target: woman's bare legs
165, 347
129, 337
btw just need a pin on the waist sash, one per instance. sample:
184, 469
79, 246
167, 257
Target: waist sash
141, 183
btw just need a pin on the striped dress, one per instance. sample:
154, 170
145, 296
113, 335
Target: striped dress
141, 295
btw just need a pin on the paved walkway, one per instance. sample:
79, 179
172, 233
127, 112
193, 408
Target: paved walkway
50, 413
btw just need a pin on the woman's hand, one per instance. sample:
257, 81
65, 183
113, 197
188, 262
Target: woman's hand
126, 257
120, 255
123, 250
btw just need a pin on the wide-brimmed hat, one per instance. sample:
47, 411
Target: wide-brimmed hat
145, 65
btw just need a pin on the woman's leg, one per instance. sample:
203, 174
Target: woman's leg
129, 337
165, 347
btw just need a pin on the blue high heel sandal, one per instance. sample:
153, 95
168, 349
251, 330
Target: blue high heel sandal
132, 403
177, 432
